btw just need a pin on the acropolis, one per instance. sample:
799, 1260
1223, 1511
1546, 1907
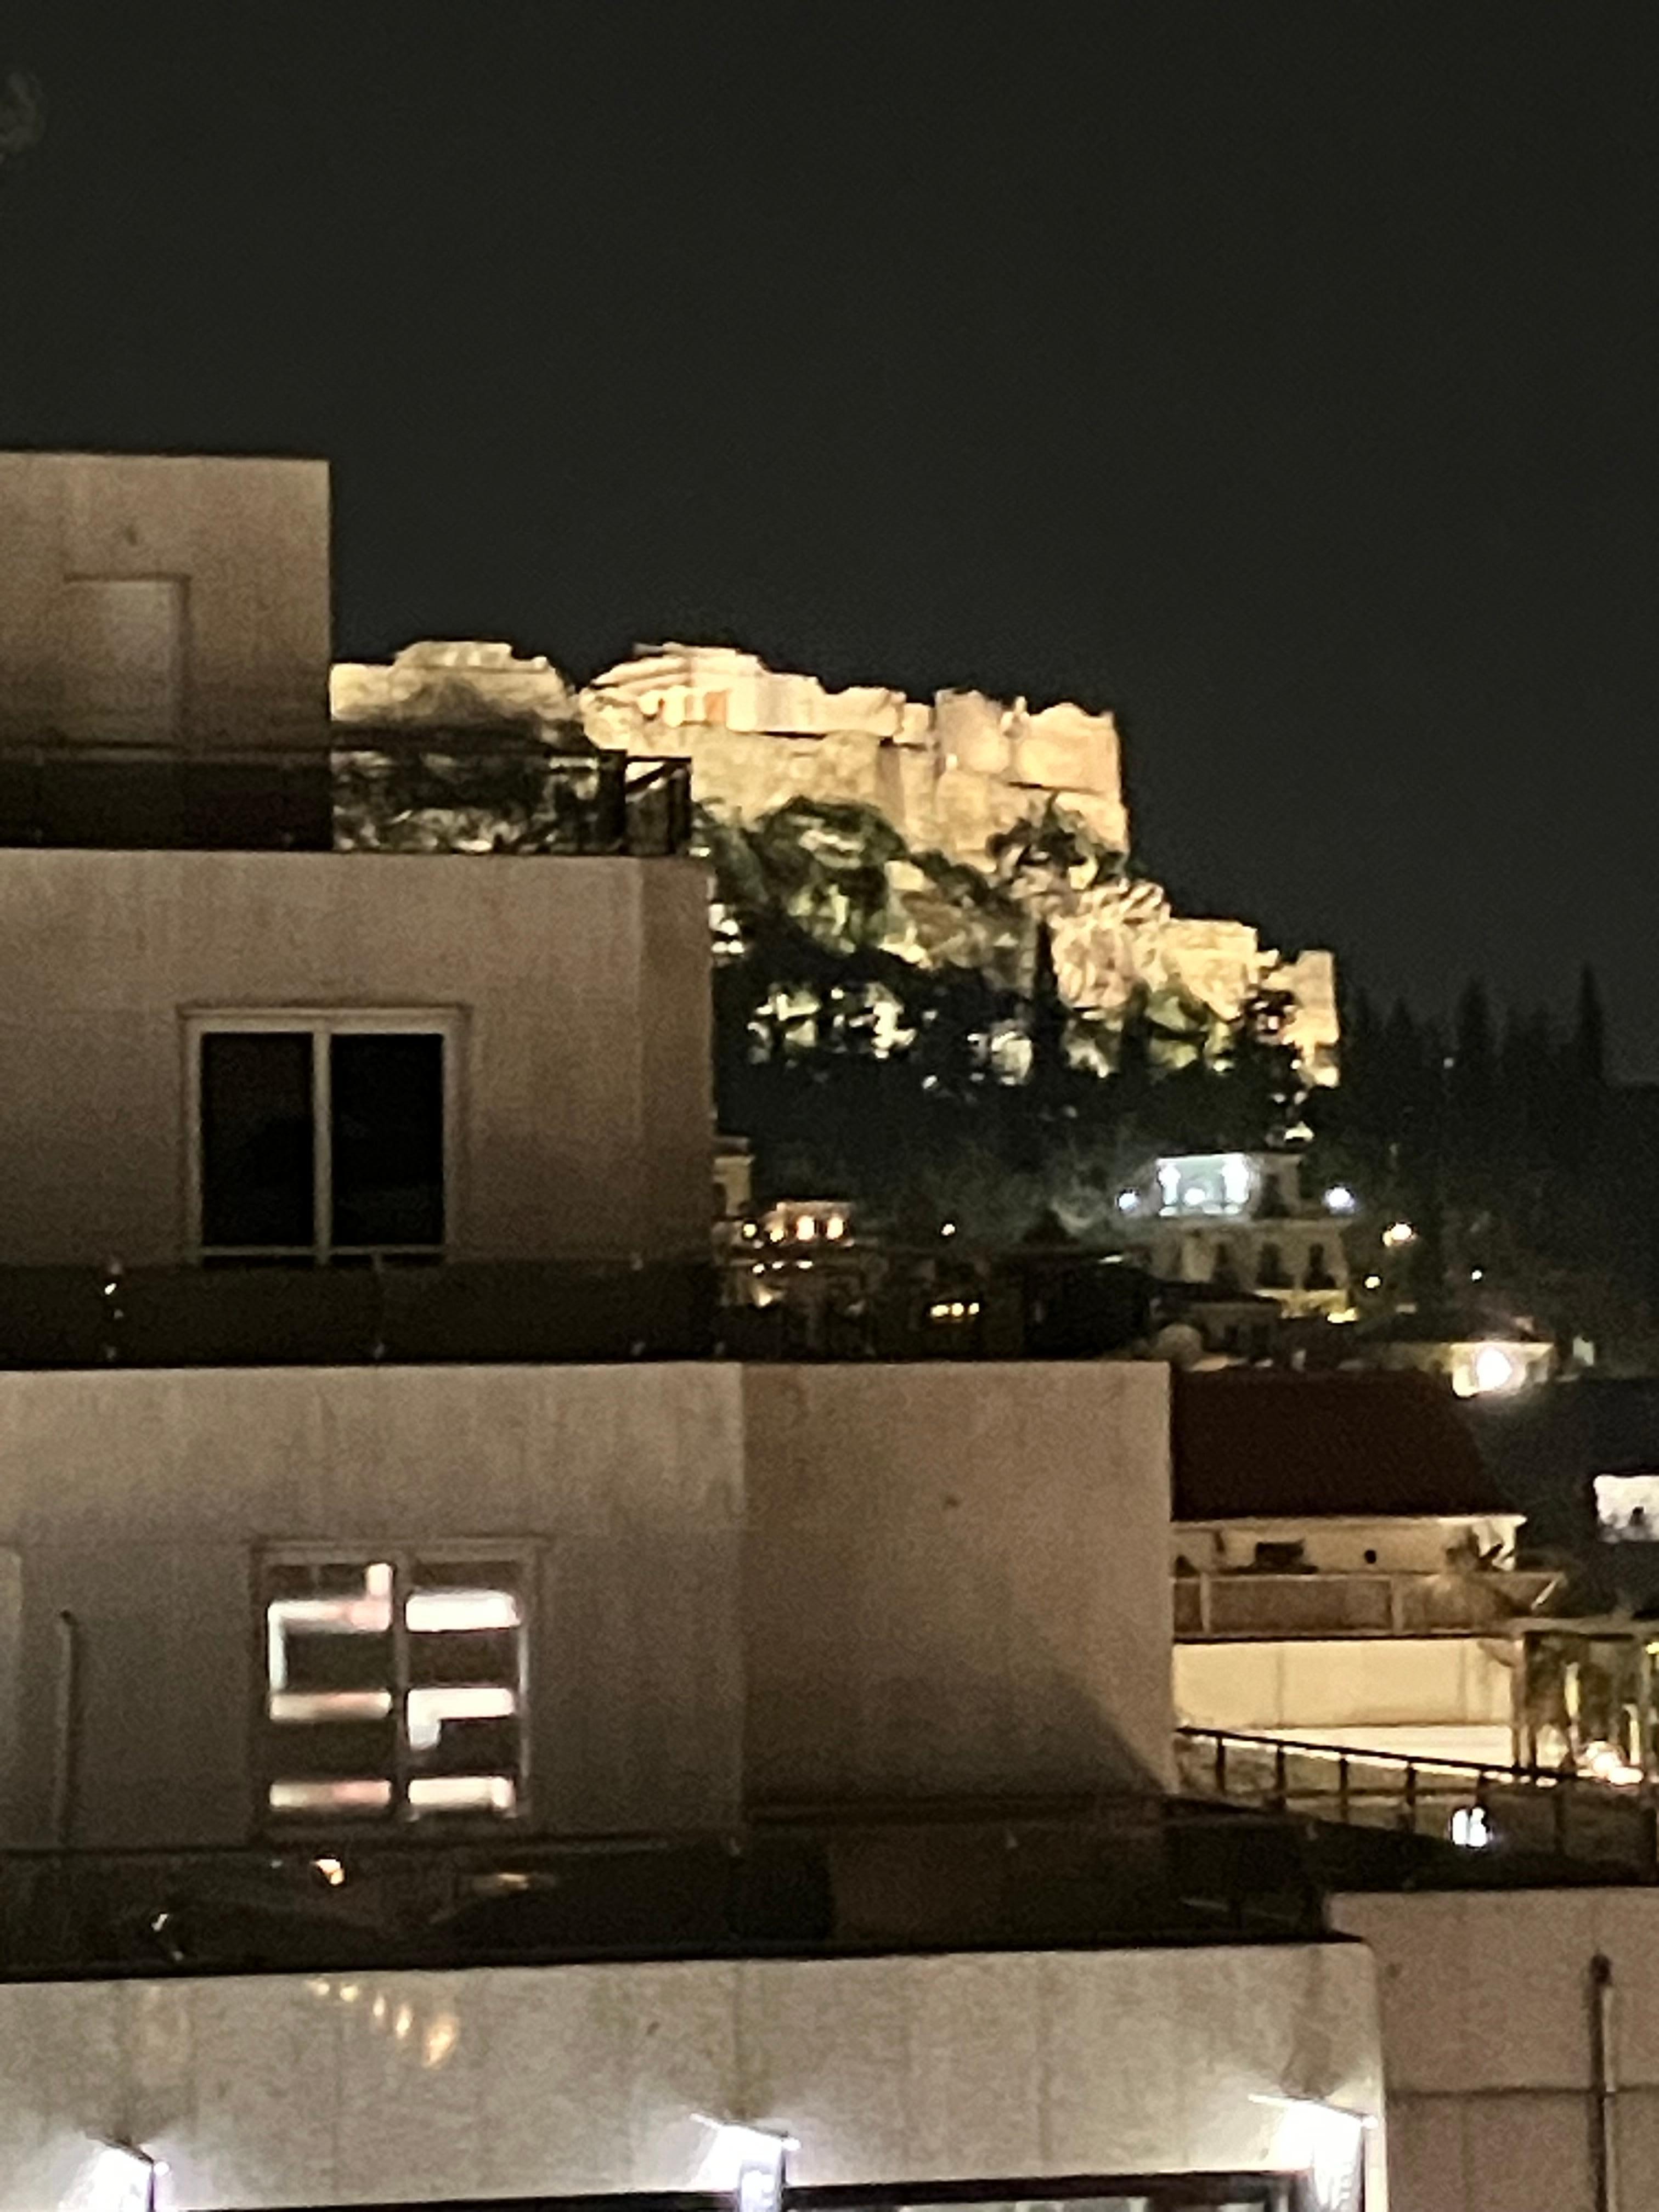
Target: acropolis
952, 775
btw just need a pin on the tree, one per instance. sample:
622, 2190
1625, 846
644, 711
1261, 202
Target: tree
1589, 1045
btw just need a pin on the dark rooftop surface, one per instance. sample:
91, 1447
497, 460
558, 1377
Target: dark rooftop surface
1274, 1445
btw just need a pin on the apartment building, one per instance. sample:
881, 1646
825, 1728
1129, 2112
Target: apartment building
459, 1743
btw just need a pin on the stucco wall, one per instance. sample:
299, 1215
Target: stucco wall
1485, 2006
136, 1500
921, 1579
958, 1578
562, 2081
582, 985
247, 539
1320, 1687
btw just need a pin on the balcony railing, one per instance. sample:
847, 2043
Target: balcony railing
1249, 1605
298, 1315
1098, 1870
476, 799
1501, 1810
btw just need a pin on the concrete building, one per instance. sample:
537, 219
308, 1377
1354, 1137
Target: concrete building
179, 603
458, 1775
1522, 2039
1345, 1568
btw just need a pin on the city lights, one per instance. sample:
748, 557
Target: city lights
1339, 1198
1398, 1233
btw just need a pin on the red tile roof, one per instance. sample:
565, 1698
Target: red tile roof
1269, 1445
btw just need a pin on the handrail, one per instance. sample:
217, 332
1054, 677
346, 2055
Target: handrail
1361, 1755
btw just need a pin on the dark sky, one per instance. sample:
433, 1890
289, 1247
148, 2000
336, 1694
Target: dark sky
1282, 375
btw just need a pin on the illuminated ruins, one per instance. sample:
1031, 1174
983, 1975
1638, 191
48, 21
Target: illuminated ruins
962, 778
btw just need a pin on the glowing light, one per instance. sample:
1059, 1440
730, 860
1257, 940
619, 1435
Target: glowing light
1476, 1274
332, 1871
1493, 1369
746, 2162
430, 1613
1339, 1198
836, 1227
296, 1705
429, 1708
364, 1795
120, 2179
1399, 1232
463, 1793
1128, 1201
443, 2032
367, 1615
947, 1229
1323, 2142
1373, 1282
404, 2024
1237, 1180
1607, 1764
1470, 1828
805, 1229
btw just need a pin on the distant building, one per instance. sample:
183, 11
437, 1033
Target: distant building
1237, 1225
1345, 1568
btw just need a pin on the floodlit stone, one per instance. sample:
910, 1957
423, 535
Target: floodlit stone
1032, 800
451, 681
1066, 748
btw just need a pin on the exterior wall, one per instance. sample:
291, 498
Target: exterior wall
247, 539
582, 986
1398, 1543
1394, 1692
958, 1578
136, 1500
1188, 1251
908, 1580
1487, 2035
553, 2081
974, 765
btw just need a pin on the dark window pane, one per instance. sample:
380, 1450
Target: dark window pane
257, 1172
388, 1109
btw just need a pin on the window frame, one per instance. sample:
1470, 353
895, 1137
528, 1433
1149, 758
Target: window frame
320, 1023
399, 1818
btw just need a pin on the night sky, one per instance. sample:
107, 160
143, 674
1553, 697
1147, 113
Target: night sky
1284, 376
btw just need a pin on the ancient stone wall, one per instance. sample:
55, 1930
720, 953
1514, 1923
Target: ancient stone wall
952, 775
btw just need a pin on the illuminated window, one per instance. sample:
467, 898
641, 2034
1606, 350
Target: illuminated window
321, 1137
1627, 1508
394, 1684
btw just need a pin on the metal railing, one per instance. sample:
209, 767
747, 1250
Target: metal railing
1511, 1809
1248, 1604
477, 798
525, 801
1134, 1869
239, 1315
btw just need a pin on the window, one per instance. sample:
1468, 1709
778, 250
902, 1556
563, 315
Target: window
394, 1683
1317, 1276
1270, 1269
321, 1137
